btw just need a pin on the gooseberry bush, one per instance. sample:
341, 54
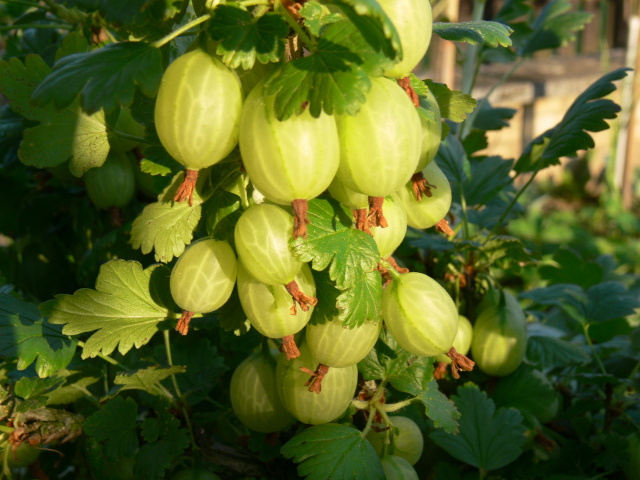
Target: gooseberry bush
243, 240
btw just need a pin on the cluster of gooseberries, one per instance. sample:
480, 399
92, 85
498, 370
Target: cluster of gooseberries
379, 163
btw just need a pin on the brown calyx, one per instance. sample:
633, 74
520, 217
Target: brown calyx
385, 274
183, 323
289, 347
299, 296
421, 186
315, 382
362, 222
547, 443
397, 267
138, 153
186, 188
405, 83
365, 395
376, 216
443, 226
293, 8
459, 362
36, 471
300, 220
115, 215
441, 370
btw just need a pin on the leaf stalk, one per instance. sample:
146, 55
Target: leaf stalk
179, 31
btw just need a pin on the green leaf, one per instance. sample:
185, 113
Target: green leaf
62, 134
166, 227
410, 374
374, 25
363, 300
493, 118
452, 159
550, 352
205, 366
27, 337
569, 267
125, 308
439, 408
453, 104
332, 79
490, 34
554, 27
244, 38
316, 16
488, 439
327, 295
221, 212
587, 114
350, 254
333, 451
136, 63
505, 247
157, 161
146, 379
525, 390
489, 176
115, 424
74, 387
35, 392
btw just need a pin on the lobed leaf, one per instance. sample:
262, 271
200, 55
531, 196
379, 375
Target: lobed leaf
374, 25
62, 134
333, 79
350, 254
316, 16
145, 379
35, 392
524, 390
454, 105
550, 352
104, 77
27, 337
125, 308
243, 38
167, 227
115, 424
587, 114
333, 451
490, 34
442, 411
488, 439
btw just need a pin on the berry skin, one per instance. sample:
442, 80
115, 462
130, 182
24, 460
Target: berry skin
428, 211
113, 184
420, 314
408, 442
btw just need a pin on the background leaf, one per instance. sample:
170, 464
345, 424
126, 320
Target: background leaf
145, 379
480, 32
487, 439
115, 424
454, 105
27, 337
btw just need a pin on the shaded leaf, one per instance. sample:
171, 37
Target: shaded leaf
525, 389
92, 73
586, 114
146, 379
333, 451
34, 392
316, 16
488, 439
27, 337
493, 118
489, 176
115, 424
571, 268
550, 352
439, 408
